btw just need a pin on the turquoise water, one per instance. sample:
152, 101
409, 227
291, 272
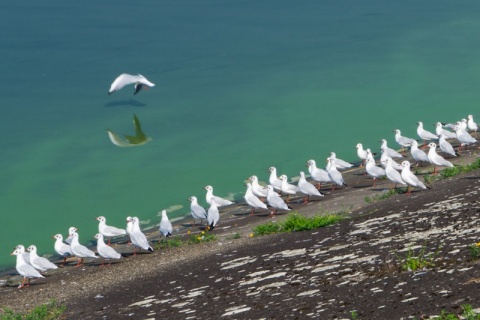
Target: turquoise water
240, 86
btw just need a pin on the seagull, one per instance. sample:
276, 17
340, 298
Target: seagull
389, 151
401, 140
334, 174
165, 227
252, 200
463, 124
424, 134
339, 163
374, 171
25, 255
411, 179
24, 269
471, 125
130, 141
109, 231
275, 182
383, 162
463, 137
71, 230
362, 154
126, 79
317, 174
447, 134
435, 159
275, 201
369, 155
61, 248
220, 202
129, 227
307, 188
39, 263
392, 174
445, 146
257, 189
79, 250
417, 154
288, 188
213, 215
138, 238
105, 251
197, 211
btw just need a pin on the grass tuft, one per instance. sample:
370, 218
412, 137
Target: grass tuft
47, 311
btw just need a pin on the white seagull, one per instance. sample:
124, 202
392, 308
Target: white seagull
213, 215
126, 79
61, 248
424, 134
24, 269
374, 171
435, 159
25, 255
389, 151
288, 188
317, 174
411, 179
105, 251
334, 175
275, 201
39, 263
109, 231
339, 163
197, 211
252, 200
220, 202
307, 188
401, 140
463, 137
417, 154
447, 134
71, 230
139, 240
79, 250
165, 227
361, 153
445, 146
274, 181
129, 227
257, 189
383, 162
392, 174
471, 125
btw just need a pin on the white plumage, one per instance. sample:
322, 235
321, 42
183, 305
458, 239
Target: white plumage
409, 178
392, 174
445, 146
447, 134
126, 79
104, 251
307, 188
79, 250
61, 248
317, 174
436, 159
24, 269
197, 211
39, 263
417, 154
374, 171
165, 227
138, 239
274, 181
220, 202
389, 151
401, 140
109, 231
275, 201
471, 125
463, 137
257, 189
339, 163
361, 153
213, 215
383, 162
424, 134
334, 175
252, 200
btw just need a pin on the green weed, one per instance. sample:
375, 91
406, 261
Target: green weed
171, 242
475, 251
48, 311
420, 260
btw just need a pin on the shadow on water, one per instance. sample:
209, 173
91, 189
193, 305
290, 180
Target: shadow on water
131, 102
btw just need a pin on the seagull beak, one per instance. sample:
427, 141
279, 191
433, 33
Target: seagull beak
53, 237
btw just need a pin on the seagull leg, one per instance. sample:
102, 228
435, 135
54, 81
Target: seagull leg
108, 240
252, 212
79, 262
273, 213
64, 261
374, 182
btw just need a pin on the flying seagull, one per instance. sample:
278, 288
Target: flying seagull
130, 141
125, 79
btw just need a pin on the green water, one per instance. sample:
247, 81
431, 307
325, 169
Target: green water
240, 86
